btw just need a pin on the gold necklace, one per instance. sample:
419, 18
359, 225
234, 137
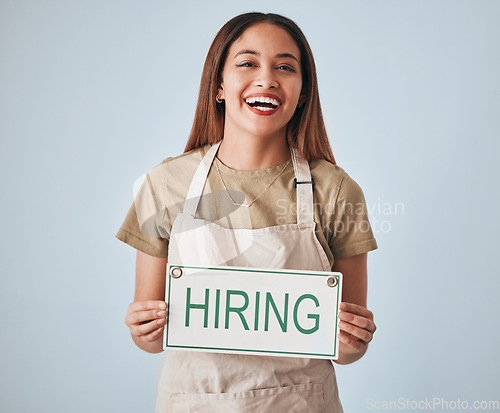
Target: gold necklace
250, 204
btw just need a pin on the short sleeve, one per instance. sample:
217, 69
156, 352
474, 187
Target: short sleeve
352, 233
143, 227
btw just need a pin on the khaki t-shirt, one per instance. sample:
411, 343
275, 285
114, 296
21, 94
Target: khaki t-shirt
342, 225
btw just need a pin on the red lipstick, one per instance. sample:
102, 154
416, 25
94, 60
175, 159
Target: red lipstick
268, 105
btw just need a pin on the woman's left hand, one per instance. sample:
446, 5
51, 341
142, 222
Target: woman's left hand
356, 331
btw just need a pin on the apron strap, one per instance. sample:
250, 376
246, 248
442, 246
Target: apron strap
303, 184
195, 191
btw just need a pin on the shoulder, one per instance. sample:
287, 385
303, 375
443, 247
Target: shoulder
332, 182
186, 159
184, 164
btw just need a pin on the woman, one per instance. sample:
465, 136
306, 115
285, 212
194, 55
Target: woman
258, 162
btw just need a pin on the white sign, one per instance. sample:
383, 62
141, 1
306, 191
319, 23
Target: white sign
253, 311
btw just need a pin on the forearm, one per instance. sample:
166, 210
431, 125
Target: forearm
146, 316
149, 347
355, 320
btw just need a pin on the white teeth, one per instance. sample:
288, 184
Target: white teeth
263, 108
262, 100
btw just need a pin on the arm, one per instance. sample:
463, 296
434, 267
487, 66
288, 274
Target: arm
356, 322
146, 316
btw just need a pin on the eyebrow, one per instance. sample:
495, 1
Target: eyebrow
258, 54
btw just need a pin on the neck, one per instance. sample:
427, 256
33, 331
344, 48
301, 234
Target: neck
253, 153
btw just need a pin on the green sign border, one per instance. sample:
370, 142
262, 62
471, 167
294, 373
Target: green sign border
233, 350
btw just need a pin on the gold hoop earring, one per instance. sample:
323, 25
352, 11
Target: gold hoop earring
218, 99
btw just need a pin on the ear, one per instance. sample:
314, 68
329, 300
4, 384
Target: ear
220, 90
302, 100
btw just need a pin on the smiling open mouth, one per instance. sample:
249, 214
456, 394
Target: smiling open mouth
263, 104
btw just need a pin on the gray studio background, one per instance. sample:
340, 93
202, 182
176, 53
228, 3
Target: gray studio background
95, 93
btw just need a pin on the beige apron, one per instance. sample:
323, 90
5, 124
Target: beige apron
227, 383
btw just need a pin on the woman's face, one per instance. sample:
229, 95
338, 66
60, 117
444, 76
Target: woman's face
261, 82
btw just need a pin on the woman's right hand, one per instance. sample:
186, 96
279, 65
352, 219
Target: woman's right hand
146, 320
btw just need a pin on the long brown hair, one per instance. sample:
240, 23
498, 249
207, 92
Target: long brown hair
305, 131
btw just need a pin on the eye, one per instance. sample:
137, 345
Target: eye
245, 64
285, 67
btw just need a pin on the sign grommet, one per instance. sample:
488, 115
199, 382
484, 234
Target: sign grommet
175, 272
331, 281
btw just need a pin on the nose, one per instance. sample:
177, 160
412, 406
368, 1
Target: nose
266, 79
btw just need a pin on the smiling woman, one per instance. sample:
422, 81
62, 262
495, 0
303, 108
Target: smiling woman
291, 53
265, 72
258, 136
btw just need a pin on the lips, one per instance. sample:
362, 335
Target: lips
263, 104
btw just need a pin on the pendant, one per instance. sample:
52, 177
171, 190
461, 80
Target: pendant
243, 205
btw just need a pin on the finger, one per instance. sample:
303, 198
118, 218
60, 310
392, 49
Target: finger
155, 335
147, 305
140, 317
147, 328
359, 333
352, 342
356, 309
358, 321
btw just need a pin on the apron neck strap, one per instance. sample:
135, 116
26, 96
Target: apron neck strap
195, 191
304, 187
303, 184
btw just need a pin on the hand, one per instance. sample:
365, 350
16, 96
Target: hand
146, 319
356, 331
